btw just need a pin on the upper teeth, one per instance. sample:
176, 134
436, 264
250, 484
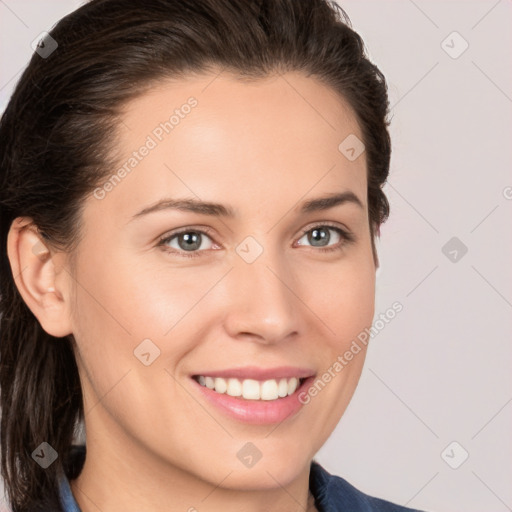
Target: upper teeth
251, 389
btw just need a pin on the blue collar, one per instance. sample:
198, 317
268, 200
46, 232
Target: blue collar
67, 499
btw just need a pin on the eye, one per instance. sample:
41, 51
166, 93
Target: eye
320, 236
189, 241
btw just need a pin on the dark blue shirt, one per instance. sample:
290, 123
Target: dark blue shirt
332, 494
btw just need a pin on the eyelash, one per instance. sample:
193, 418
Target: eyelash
346, 237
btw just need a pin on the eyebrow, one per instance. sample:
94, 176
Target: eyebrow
329, 201
220, 210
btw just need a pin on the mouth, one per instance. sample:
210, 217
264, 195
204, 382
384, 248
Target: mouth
258, 400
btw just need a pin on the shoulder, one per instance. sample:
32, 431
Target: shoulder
333, 493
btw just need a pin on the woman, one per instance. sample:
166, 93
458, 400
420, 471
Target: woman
190, 197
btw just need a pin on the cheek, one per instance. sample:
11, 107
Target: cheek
131, 299
352, 304
114, 311
120, 302
343, 297
344, 300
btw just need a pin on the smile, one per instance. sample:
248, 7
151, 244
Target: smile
255, 396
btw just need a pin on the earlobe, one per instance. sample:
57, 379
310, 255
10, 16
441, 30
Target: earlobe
35, 273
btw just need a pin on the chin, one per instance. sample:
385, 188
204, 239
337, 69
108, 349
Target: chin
269, 472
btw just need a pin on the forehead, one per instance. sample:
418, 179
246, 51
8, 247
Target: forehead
215, 136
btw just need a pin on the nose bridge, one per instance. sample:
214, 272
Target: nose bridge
262, 302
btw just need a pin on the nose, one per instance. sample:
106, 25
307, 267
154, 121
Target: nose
263, 305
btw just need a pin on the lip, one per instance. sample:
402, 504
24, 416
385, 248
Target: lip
255, 412
261, 374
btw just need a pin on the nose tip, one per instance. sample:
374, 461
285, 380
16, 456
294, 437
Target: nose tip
262, 305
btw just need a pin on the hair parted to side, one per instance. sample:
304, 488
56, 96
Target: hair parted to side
57, 140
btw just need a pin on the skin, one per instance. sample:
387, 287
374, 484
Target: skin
262, 148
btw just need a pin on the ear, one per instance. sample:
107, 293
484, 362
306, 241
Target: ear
41, 282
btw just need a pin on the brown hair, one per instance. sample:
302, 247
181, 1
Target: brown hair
55, 146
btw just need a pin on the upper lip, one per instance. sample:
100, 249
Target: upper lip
253, 372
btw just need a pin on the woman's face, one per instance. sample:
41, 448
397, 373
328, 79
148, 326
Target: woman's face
258, 291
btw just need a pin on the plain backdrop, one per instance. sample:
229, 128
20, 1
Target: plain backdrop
429, 425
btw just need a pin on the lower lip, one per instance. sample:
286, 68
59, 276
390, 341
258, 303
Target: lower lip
256, 412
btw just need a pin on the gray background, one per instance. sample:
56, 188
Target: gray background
440, 371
